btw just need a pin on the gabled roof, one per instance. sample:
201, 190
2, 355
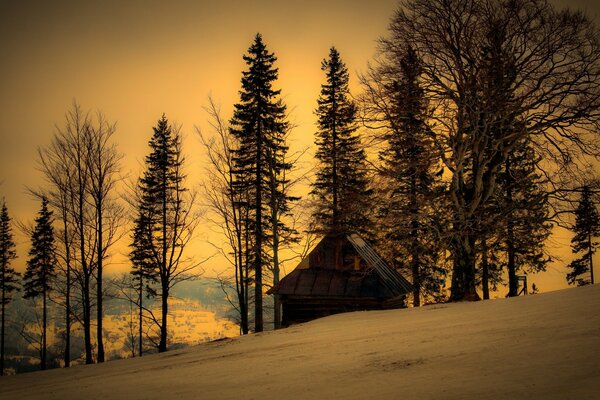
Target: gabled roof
325, 272
332, 283
391, 278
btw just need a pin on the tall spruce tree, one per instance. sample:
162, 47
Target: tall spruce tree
165, 221
412, 168
8, 277
586, 228
41, 265
341, 183
259, 125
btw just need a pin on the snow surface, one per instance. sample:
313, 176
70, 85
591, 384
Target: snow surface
544, 346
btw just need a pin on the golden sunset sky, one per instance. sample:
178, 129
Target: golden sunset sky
134, 60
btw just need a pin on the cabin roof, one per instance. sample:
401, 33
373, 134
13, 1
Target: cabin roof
323, 274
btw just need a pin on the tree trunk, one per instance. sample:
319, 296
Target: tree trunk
99, 296
3, 321
140, 326
484, 270
463, 274
276, 302
162, 346
87, 309
414, 246
258, 295
44, 323
513, 285
590, 246
67, 358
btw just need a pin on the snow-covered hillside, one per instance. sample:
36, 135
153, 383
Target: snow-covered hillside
545, 346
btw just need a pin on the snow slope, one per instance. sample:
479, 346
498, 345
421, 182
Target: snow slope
545, 346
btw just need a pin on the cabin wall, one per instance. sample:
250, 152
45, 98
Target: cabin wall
302, 310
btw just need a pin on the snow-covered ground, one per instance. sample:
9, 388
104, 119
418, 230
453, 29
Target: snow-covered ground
545, 346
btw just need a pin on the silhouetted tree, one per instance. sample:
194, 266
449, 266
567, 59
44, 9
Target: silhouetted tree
58, 171
80, 166
41, 268
341, 183
166, 220
395, 103
228, 210
258, 124
544, 82
8, 276
102, 162
524, 208
586, 228
143, 275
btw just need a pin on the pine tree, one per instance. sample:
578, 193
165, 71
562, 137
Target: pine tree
41, 265
143, 273
165, 219
524, 207
341, 184
586, 228
412, 168
259, 125
8, 276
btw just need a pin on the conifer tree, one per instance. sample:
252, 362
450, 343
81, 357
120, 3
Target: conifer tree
524, 208
412, 168
8, 276
143, 273
341, 184
586, 228
258, 124
166, 222
41, 265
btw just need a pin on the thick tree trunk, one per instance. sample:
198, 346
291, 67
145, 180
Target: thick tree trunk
485, 285
463, 274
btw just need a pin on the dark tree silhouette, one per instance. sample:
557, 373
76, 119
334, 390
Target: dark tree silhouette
228, 210
525, 211
102, 162
41, 268
546, 83
341, 185
144, 276
395, 103
258, 124
166, 221
8, 277
80, 166
586, 228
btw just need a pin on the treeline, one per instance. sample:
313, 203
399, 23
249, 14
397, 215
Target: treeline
472, 136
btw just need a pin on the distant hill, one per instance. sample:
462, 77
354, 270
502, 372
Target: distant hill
544, 346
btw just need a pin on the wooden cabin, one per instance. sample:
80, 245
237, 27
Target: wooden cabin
341, 273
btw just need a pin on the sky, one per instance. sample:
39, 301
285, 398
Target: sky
135, 60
